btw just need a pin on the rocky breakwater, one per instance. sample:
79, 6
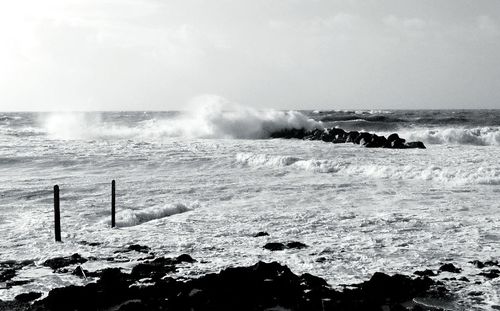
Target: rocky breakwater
337, 136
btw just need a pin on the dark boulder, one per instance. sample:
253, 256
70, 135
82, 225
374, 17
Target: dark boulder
449, 267
296, 245
79, 271
154, 269
363, 138
27, 297
9, 268
426, 272
392, 137
261, 233
275, 246
481, 265
376, 142
59, 262
398, 143
184, 258
327, 136
313, 135
415, 144
339, 135
351, 136
491, 274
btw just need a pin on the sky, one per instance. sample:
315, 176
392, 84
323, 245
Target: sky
282, 54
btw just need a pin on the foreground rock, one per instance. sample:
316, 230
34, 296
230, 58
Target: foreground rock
337, 135
263, 286
60, 262
278, 246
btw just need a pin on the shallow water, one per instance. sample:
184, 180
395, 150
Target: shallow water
362, 210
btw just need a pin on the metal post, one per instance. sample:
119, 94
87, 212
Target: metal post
113, 203
57, 216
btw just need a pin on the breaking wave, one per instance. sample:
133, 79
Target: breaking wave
208, 117
128, 218
485, 136
458, 175
256, 160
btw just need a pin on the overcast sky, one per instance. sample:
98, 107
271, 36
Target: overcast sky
284, 54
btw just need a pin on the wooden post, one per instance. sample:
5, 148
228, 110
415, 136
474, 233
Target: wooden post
57, 216
113, 203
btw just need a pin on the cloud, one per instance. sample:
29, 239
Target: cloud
404, 23
487, 25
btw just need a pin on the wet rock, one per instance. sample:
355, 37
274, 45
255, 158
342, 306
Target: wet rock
263, 286
275, 246
261, 233
79, 271
159, 267
59, 262
296, 245
184, 258
338, 135
399, 143
9, 268
376, 142
90, 243
13, 305
363, 138
290, 133
27, 297
415, 144
18, 283
7, 274
449, 267
327, 136
481, 265
392, 137
491, 274
426, 272
351, 136
134, 247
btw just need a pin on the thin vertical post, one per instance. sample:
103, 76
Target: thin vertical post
57, 216
113, 203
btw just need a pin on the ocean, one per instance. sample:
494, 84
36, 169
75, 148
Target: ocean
204, 182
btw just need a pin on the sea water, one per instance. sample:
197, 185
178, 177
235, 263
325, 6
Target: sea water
206, 181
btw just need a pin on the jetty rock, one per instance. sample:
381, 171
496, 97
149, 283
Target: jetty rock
338, 136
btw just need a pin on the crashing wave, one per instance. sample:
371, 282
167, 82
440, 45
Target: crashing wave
128, 218
485, 136
457, 175
209, 117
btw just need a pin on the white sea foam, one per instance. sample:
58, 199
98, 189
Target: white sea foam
208, 116
457, 175
129, 217
484, 136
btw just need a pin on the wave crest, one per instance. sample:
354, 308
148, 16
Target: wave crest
208, 117
457, 175
485, 136
128, 218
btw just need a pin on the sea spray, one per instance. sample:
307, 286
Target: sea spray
208, 116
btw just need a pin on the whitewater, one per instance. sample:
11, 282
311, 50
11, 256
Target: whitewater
204, 182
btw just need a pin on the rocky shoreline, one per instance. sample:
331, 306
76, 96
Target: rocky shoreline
262, 286
338, 136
